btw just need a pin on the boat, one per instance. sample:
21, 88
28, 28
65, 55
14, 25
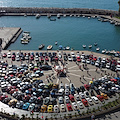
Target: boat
107, 52
37, 16
84, 46
95, 44
97, 49
88, 17
56, 43
58, 15
41, 46
24, 42
71, 15
60, 47
67, 48
103, 51
49, 47
90, 46
64, 15
52, 19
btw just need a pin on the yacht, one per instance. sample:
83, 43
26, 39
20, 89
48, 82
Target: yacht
49, 47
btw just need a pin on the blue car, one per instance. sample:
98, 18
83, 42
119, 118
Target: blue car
26, 106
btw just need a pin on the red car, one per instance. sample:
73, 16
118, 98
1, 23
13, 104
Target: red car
12, 91
13, 57
101, 98
85, 102
56, 58
4, 55
31, 57
46, 58
69, 107
94, 58
9, 88
91, 57
72, 98
78, 59
87, 86
3, 97
114, 80
41, 58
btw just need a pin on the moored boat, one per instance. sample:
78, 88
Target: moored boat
95, 44
90, 46
49, 47
84, 46
56, 43
67, 48
41, 46
60, 47
103, 51
97, 49
52, 19
24, 42
37, 16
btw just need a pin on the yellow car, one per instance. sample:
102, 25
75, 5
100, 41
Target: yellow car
50, 109
43, 108
104, 95
12, 102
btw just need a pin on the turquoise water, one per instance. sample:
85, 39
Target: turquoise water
69, 31
99, 4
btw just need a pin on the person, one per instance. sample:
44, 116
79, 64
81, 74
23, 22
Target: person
92, 117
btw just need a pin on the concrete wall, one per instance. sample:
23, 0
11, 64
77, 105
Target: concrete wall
57, 10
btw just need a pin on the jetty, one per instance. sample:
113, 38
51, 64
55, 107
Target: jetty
8, 36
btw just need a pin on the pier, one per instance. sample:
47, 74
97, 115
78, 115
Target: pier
8, 36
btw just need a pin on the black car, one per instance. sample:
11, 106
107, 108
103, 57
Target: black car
46, 67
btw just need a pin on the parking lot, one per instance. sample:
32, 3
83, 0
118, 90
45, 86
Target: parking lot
67, 81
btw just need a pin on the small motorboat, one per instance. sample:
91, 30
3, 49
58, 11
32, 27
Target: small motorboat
64, 15
24, 42
56, 43
95, 44
37, 16
90, 46
103, 51
58, 16
97, 49
41, 46
60, 47
52, 19
84, 46
107, 52
67, 48
49, 47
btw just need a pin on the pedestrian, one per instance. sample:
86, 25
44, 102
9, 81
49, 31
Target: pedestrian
92, 117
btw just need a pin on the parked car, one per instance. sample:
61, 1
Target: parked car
69, 107
26, 106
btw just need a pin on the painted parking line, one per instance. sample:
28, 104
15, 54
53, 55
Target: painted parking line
48, 73
57, 81
67, 79
80, 76
72, 67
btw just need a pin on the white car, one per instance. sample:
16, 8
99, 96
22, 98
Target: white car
108, 65
67, 92
77, 54
17, 58
72, 54
61, 86
67, 100
36, 58
77, 97
97, 63
89, 101
82, 56
95, 99
60, 99
67, 86
62, 108
103, 60
61, 91
69, 58
74, 106
59, 55
88, 61
118, 68
9, 55
31, 107
56, 109
86, 93
80, 104
83, 60
82, 95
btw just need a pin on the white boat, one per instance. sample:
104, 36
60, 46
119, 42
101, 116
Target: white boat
83, 16
90, 46
25, 42
64, 15
97, 49
67, 48
58, 15
56, 43
37, 16
107, 52
103, 51
71, 15
41, 46
88, 17
49, 47
84, 46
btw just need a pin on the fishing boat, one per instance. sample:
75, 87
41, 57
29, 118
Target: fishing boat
56, 43
95, 44
90, 46
49, 47
84, 46
41, 46
97, 49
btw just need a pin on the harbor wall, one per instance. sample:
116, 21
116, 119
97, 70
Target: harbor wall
46, 11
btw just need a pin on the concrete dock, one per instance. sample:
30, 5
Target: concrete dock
9, 35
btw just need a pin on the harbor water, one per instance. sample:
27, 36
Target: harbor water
68, 31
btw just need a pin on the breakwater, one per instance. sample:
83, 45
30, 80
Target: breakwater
54, 11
